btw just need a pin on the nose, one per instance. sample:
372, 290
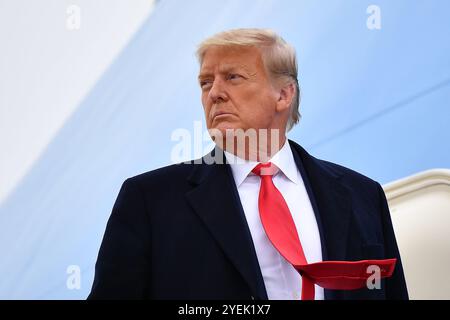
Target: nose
217, 93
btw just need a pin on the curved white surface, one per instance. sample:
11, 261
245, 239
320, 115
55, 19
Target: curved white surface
420, 209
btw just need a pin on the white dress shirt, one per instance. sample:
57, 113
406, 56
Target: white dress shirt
281, 280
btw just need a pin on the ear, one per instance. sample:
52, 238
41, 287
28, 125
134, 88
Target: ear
287, 93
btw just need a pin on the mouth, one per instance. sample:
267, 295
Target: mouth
221, 114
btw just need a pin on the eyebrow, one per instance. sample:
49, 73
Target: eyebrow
225, 69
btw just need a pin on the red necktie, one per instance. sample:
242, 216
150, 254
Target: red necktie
281, 231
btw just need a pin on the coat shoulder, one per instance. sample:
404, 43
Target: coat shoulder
347, 173
332, 169
163, 177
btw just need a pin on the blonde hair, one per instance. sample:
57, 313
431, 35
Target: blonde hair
278, 56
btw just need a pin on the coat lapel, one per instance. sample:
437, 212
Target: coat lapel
332, 203
332, 206
216, 201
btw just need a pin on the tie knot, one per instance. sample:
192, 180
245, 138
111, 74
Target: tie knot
265, 169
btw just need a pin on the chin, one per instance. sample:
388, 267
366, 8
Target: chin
224, 126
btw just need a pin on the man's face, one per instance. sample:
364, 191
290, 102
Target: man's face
236, 90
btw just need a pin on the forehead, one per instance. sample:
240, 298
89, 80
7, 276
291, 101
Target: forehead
221, 57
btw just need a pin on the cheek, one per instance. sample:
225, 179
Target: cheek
258, 103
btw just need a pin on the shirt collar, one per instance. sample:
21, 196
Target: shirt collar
283, 159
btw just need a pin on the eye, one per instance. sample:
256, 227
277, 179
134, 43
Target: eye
233, 76
205, 84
